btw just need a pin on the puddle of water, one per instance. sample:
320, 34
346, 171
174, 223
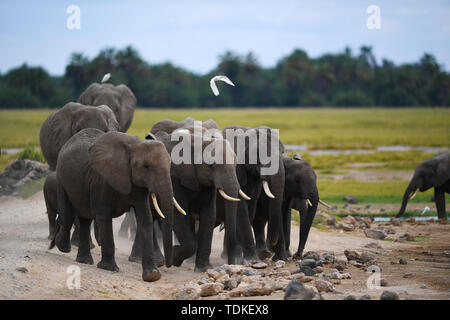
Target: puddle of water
11, 150
398, 148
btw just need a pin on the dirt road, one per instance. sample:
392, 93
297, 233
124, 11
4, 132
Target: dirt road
28, 270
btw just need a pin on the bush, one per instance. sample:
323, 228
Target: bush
32, 154
17, 98
352, 99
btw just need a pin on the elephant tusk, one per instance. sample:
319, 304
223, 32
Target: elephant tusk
309, 202
155, 203
243, 195
414, 194
227, 197
179, 208
267, 189
324, 204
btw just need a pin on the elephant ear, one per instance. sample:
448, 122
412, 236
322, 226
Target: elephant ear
109, 156
128, 99
442, 173
87, 97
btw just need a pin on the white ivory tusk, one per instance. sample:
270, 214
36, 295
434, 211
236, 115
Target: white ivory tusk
155, 203
267, 190
179, 208
324, 204
227, 197
243, 195
309, 202
414, 194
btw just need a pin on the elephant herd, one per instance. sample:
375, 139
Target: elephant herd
99, 173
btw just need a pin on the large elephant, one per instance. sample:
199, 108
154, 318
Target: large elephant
70, 119
102, 175
301, 194
119, 98
434, 172
195, 186
255, 183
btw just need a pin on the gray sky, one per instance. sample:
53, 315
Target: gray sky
192, 34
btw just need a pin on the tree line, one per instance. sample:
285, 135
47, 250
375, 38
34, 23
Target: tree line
343, 79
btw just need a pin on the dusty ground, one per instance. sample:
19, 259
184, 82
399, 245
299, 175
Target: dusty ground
23, 244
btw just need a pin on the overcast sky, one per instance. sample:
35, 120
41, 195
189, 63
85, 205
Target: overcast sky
192, 34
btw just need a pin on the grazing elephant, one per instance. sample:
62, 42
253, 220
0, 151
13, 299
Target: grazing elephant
434, 172
256, 184
195, 185
67, 121
102, 175
119, 98
301, 194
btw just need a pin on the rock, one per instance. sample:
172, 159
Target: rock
375, 234
389, 295
346, 275
250, 272
351, 220
312, 255
297, 291
318, 269
408, 276
323, 285
365, 297
412, 219
351, 199
410, 238
256, 289
351, 255
308, 262
280, 264
332, 221
373, 245
366, 257
347, 227
189, 291
260, 265
236, 269
336, 275
19, 173
210, 289
340, 264
283, 273
350, 297
230, 284
423, 287
402, 261
327, 257
396, 221
383, 283
301, 277
22, 269
390, 230
308, 271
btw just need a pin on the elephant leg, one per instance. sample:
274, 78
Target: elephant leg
123, 231
64, 222
280, 248
261, 248
75, 240
287, 230
51, 224
205, 233
157, 254
97, 233
108, 261
305, 226
133, 225
136, 250
184, 228
144, 235
439, 198
84, 249
245, 233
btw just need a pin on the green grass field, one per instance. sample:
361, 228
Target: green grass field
320, 128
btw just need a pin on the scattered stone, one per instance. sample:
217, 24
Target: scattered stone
340, 264
318, 269
347, 227
402, 261
301, 277
350, 297
367, 256
336, 275
373, 245
351, 199
256, 289
323, 285
22, 269
210, 289
410, 238
308, 263
351, 220
297, 291
396, 222
327, 257
230, 284
332, 221
260, 265
375, 234
408, 276
189, 291
308, 271
346, 275
312, 255
250, 272
389, 295
423, 287
390, 230
365, 297
383, 283
283, 273
412, 219
279, 264
351, 255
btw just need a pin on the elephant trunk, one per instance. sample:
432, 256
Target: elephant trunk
276, 184
166, 202
406, 196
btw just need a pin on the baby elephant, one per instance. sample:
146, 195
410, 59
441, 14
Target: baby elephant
102, 175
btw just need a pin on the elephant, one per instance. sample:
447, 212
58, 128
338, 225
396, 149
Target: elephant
102, 175
255, 184
434, 172
301, 194
195, 186
51, 203
120, 99
70, 119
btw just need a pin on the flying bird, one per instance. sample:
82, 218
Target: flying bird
426, 209
106, 77
212, 83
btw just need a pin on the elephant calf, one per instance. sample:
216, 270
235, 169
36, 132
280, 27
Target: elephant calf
434, 172
102, 175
